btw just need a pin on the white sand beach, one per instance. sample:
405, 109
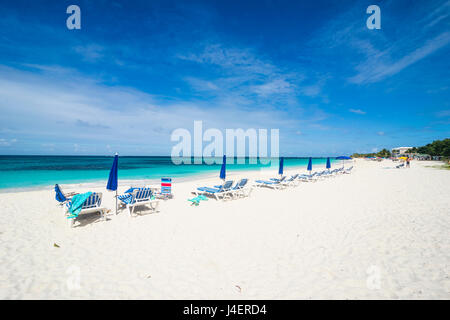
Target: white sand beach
378, 233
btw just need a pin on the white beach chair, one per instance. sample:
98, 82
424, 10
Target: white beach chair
241, 189
140, 197
273, 183
308, 178
348, 170
291, 182
320, 175
326, 174
217, 191
92, 204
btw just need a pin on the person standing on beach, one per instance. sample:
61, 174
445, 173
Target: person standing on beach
407, 163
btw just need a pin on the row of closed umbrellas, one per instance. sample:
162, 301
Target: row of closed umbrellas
113, 176
281, 165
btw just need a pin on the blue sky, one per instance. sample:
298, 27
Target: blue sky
139, 69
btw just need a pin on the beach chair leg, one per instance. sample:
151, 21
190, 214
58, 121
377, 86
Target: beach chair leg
130, 210
154, 208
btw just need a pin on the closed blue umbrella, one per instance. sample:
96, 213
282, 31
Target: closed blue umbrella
328, 164
281, 166
223, 168
112, 180
309, 165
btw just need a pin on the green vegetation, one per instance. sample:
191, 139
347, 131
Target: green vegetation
385, 153
413, 150
436, 148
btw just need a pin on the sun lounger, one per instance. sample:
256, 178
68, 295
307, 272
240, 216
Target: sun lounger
292, 181
139, 197
326, 174
91, 204
274, 184
307, 178
239, 189
320, 175
124, 198
335, 172
61, 196
348, 170
165, 192
216, 192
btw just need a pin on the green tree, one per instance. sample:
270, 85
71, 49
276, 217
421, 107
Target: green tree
436, 148
384, 153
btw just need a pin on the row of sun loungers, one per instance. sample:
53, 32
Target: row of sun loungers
242, 189
283, 182
150, 197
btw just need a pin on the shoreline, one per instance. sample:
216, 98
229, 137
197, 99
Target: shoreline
127, 181
96, 184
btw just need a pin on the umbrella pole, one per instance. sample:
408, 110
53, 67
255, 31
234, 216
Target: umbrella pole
116, 201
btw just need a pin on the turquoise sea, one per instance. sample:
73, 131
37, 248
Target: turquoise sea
38, 171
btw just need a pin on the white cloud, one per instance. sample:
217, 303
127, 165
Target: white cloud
90, 52
7, 142
437, 15
235, 59
377, 67
277, 86
311, 91
379, 55
241, 72
86, 116
202, 85
357, 111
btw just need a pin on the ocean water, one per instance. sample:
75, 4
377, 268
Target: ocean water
38, 171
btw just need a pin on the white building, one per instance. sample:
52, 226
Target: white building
400, 150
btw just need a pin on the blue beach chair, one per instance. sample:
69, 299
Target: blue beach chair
139, 197
91, 204
292, 181
216, 192
241, 189
166, 189
274, 184
62, 197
